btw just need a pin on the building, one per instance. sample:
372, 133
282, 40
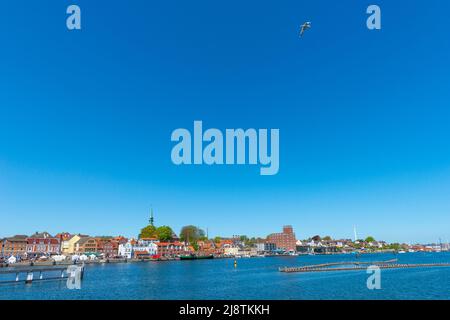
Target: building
42, 244
225, 242
284, 240
63, 236
13, 246
120, 239
266, 247
207, 247
172, 249
125, 250
230, 250
260, 247
142, 248
68, 246
145, 248
108, 247
86, 245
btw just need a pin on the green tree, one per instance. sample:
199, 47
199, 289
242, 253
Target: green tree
191, 234
243, 238
164, 233
327, 238
217, 239
251, 241
370, 239
148, 232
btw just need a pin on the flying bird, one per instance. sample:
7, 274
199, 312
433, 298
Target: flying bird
304, 27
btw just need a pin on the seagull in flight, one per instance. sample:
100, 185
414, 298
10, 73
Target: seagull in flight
305, 26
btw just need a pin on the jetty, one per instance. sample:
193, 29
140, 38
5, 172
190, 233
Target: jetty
31, 274
359, 265
67, 263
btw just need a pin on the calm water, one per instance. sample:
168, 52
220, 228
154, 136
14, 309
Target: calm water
254, 278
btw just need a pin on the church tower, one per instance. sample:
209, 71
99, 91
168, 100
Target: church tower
151, 217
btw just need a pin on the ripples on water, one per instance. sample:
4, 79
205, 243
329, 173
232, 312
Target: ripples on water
254, 278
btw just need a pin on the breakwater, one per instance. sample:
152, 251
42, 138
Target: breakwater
357, 265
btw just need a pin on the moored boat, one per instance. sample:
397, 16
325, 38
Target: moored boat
195, 257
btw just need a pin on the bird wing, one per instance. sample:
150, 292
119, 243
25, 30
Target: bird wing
302, 30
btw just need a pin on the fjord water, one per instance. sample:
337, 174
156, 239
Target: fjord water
254, 278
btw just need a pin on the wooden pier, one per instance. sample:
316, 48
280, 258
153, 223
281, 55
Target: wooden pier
31, 274
357, 265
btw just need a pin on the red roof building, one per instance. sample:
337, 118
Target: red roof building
172, 249
108, 247
43, 244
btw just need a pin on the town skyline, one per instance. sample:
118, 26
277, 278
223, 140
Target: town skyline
363, 140
161, 242
210, 235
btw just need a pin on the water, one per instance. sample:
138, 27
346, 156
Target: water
254, 278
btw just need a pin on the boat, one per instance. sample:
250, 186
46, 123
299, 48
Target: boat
402, 251
196, 257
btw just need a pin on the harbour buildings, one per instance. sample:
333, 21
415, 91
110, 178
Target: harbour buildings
125, 250
142, 248
151, 247
68, 246
284, 240
42, 244
266, 247
171, 249
145, 247
86, 245
13, 246
108, 247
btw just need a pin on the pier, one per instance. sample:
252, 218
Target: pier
31, 274
357, 265
67, 263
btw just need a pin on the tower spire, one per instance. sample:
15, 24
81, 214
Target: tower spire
151, 217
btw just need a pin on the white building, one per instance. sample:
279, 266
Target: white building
125, 250
313, 243
260, 247
128, 249
150, 247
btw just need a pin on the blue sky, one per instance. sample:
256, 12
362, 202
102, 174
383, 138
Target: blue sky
86, 117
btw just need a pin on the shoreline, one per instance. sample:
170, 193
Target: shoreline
25, 264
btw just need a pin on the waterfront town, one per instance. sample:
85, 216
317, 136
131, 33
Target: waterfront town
161, 243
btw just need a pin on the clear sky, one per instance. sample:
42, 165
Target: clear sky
86, 116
